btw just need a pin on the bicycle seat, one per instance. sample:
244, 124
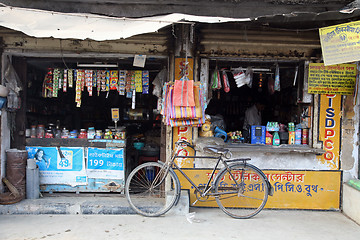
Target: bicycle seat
217, 150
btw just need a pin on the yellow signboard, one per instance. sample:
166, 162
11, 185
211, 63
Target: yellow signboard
184, 133
184, 68
292, 189
329, 130
335, 79
340, 43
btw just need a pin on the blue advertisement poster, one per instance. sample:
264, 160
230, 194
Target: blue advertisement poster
65, 165
105, 163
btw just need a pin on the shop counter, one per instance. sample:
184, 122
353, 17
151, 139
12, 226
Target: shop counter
79, 165
283, 148
282, 157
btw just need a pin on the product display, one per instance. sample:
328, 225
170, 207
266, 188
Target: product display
122, 81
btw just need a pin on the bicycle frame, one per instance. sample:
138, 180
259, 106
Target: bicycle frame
209, 185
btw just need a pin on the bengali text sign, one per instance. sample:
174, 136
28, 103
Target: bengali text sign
293, 189
334, 79
340, 43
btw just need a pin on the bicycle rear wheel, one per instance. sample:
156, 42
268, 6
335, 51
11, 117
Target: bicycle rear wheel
243, 193
151, 190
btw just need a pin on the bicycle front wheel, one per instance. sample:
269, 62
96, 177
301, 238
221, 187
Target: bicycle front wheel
151, 189
242, 192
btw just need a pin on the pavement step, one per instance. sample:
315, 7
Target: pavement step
74, 204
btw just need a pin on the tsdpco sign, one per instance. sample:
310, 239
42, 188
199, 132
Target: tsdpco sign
329, 129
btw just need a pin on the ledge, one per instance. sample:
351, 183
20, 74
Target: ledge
269, 149
74, 142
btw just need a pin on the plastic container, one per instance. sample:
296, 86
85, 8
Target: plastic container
73, 134
305, 136
33, 131
298, 136
32, 180
108, 134
40, 131
83, 133
91, 133
49, 134
268, 138
65, 133
98, 134
276, 139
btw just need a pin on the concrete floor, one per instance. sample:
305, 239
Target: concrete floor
205, 224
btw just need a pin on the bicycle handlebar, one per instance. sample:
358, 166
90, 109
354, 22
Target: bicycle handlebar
184, 142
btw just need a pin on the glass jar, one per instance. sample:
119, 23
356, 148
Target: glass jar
83, 133
33, 131
40, 131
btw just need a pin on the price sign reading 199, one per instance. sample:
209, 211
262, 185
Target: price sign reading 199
96, 162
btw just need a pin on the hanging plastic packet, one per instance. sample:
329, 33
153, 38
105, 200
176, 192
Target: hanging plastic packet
277, 78
56, 74
89, 81
145, 82
225, 81
70, 77
138, 81
216, 84
60, 78
107, 77
98, 82
114, 78
78, 86
65, 81
249, 76
94, 79
132, 87
133, 99
271, 85
240, 78
296, 73
121, 82
47, 90
128, 82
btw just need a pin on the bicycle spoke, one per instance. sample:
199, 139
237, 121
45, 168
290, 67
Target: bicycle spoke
147, 189
250, 195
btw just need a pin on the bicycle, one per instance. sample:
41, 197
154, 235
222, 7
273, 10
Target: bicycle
240, 189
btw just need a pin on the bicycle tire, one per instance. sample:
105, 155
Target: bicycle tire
143, 197
248, 198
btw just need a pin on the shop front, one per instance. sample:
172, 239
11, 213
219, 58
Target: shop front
93, 115
86, 118
297, 141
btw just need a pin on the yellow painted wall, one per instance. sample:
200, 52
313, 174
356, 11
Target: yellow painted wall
293, 189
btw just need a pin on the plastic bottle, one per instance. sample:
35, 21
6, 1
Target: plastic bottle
269, 139
276, 139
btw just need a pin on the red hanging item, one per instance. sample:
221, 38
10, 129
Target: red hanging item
184, 93
225, 81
